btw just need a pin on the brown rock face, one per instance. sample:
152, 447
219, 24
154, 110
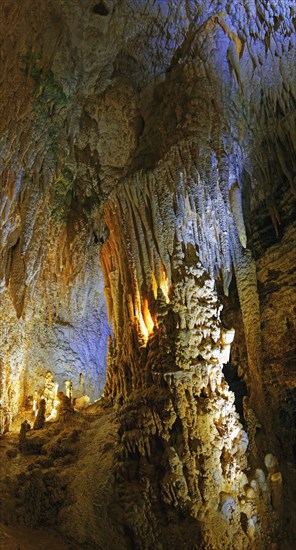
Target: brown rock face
147, 218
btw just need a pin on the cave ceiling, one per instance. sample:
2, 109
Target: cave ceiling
92, 93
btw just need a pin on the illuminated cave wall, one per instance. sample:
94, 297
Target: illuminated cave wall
159, 139
70, 341
72, 345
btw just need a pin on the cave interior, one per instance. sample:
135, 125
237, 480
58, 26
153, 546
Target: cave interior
147, 274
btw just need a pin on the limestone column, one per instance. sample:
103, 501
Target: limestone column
182, 446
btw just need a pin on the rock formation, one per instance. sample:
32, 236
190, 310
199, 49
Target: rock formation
147, 238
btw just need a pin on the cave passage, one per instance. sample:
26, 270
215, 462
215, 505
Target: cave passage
147, 274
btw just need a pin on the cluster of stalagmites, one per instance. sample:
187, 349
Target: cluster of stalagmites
191, 454
49, 406
178, 420
163, 211
65, 411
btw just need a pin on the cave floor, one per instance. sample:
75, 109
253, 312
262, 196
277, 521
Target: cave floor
63, 493
46, 499
25, 538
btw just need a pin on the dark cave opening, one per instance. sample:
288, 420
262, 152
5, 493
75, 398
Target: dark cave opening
237, 386
101, 9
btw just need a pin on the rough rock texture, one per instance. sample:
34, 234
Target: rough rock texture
150, 146
28, 539
72, 344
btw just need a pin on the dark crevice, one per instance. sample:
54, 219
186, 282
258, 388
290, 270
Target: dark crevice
244, 521
237, 386
101, 9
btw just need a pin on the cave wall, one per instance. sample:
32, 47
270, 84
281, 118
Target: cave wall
159, 140
69, 338
71, 345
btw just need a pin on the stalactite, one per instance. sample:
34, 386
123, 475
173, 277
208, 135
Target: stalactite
236, 207
183, 369
202, 218
176, 337
246, 280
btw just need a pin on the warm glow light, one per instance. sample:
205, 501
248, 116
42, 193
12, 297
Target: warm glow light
139, 318
145, 320
54, 411
149, 323
35, 403
154, 285
143, 327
